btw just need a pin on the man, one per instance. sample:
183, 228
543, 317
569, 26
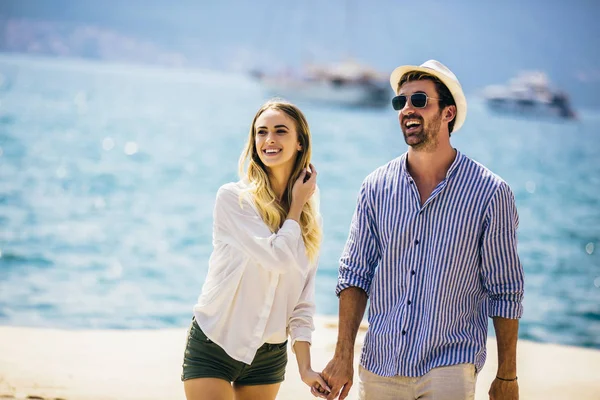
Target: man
433, 245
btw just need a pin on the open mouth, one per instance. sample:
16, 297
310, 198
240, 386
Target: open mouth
412, 125
271, 152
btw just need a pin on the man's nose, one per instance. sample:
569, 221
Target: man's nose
408, 107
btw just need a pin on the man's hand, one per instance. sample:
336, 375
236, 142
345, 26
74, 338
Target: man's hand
504, 390
339, 374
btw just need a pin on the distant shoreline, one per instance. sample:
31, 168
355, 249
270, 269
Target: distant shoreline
108, 66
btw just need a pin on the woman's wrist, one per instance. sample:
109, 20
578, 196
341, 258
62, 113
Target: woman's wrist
304, 369
295, 211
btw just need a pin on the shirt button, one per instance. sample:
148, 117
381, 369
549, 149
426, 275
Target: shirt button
403, 332
417, 241
408, 302
412, 272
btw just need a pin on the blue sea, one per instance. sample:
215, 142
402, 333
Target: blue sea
108, 175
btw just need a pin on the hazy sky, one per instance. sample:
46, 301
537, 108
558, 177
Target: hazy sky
482, 42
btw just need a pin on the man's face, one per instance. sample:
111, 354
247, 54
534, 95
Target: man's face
420, 126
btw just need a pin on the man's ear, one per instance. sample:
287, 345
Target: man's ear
450, 113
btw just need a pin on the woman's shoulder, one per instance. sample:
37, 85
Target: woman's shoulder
234, 187
233, 192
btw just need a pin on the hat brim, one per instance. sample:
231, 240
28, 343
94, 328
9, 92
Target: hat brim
452, 85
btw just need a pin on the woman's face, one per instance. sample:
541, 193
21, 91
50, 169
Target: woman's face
276, 140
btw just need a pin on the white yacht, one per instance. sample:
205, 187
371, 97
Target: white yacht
347, 84
529, 94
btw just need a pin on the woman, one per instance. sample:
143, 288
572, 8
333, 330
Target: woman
261, 278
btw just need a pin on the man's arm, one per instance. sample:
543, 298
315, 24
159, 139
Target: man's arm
357, 268
507, 332
353, 302
505, 386
502, 276
339, 372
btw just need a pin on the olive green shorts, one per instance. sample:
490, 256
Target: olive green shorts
205, 359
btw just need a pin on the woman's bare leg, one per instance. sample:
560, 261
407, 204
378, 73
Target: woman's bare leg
208, 389
252, 392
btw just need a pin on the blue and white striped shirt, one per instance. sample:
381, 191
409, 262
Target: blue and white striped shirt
434, 273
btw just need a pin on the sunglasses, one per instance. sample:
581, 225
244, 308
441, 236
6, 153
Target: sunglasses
418, 100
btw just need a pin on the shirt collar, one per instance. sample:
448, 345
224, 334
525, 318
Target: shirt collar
451, 171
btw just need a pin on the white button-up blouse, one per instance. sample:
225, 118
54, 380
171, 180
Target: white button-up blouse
260, 285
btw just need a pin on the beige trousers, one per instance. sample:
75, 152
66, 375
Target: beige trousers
455, 382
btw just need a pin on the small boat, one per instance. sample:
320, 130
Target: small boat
529, 94
346, 84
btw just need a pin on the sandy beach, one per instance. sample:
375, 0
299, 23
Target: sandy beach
40, 363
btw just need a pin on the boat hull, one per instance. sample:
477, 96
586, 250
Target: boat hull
529, 108
349, 94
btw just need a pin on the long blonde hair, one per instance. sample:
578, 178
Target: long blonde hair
273, 212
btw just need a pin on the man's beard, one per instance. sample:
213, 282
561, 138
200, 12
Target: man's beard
426, 136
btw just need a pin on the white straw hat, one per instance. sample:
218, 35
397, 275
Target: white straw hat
441, 72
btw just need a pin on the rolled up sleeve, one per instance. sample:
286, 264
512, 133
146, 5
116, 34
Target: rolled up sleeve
301, 324
502, 272
361, 253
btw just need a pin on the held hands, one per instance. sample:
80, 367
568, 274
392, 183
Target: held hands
318, 387
305, 186
504, 390
338, 374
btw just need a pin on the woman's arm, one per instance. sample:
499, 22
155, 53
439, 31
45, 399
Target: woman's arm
308, 376
236, 223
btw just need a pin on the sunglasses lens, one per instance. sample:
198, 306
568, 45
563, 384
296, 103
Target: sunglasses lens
399, 102
419, 100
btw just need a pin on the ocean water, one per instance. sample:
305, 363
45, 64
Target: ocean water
108, 175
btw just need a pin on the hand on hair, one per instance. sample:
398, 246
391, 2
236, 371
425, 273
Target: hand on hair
305, 186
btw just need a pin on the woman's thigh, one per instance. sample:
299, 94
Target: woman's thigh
208, 389
252, 392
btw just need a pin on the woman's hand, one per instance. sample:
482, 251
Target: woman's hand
304, 187
317, 384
